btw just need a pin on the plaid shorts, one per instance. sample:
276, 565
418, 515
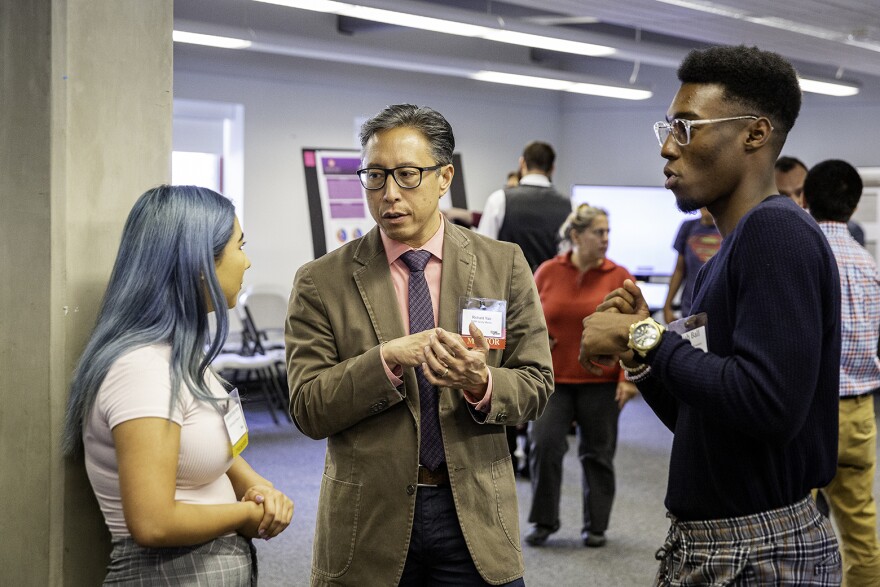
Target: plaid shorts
790, 546
230, 561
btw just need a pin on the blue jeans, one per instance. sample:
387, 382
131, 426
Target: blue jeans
438, 554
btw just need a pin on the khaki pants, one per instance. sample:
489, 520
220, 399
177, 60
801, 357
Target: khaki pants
850, 494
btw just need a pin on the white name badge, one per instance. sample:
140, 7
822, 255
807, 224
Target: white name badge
236, 425
490, 316
693, 330
487, 321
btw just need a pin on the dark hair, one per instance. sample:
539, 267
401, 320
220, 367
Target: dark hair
156, 294
426, 120
539, 155
786, 164
832, 190
762, 82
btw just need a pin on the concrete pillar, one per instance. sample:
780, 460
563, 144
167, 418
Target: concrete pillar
85, 127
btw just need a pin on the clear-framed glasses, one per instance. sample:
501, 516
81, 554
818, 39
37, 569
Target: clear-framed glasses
680, 128
408, 177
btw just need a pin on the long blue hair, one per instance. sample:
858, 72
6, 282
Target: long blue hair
156, 294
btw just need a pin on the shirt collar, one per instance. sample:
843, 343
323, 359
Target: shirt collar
394, 249
535, 179
834, 228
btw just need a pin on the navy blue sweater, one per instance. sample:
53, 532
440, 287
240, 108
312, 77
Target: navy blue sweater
755, 418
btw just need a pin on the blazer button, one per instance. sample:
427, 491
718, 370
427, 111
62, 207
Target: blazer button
410, 489
502, 417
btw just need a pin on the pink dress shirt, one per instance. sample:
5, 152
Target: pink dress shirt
400, 279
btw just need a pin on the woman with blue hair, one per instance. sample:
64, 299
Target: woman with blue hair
160, 432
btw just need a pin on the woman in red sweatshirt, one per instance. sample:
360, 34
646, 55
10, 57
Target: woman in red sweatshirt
571, 285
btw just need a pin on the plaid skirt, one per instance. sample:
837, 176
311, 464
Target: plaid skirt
789, 546
230, 561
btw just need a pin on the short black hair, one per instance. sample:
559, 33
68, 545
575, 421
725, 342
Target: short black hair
764, 83
786, 164
426, 120
832, 190
539, 155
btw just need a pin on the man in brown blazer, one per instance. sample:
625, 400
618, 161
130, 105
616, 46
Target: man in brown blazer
384, 518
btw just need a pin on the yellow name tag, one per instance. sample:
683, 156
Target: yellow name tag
236, 425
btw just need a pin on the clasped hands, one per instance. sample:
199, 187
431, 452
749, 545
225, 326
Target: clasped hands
444, 358
606, 331
274, 516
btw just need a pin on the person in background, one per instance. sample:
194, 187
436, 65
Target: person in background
471, 218
530, 213
418, 488
696, 242
790, 175
832, 190
527, 214
751, 395
571, 285
151, 417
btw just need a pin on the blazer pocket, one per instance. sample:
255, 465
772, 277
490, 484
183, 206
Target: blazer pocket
337, 523
505, 499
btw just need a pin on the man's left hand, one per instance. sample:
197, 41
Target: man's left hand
450, 363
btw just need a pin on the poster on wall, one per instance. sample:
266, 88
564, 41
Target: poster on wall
337, 203
338, 210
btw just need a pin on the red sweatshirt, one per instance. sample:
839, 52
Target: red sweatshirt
568, 296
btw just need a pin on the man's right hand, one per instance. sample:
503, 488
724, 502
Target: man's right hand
605, 336
407, 351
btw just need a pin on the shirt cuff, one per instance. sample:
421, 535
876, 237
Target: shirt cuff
484, 405
394, 375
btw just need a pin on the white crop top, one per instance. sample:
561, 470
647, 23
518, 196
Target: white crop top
138, 385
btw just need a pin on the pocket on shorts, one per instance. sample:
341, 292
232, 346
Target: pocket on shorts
829, 571
711, 568
336, 526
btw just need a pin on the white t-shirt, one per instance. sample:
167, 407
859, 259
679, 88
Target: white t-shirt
138, 385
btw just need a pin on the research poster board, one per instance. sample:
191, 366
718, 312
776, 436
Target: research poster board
338, 209
337, 203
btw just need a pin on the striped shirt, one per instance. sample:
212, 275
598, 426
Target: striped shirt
860, 312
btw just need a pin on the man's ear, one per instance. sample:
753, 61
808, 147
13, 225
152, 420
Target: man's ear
446, 173
760, 132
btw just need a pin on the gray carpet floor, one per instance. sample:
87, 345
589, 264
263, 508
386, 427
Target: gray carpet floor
638, 523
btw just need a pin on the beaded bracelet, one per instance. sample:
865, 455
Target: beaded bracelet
640, 373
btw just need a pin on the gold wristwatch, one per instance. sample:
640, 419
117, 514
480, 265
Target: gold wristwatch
645, 335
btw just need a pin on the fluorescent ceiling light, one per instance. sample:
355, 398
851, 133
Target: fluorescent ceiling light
545, 83
210, 40
528, 81
828, 88
451, 27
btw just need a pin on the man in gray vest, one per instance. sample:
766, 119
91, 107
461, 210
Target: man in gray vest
531, 213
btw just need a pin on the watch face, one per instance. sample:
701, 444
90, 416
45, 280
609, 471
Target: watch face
645, 336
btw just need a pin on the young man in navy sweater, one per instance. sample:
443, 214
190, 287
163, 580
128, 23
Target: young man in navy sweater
751, 389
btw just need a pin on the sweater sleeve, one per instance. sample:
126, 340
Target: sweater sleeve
764, 367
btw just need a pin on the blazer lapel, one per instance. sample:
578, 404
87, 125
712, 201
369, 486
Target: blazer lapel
457, 278
373, 279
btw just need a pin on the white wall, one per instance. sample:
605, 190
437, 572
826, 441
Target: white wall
292, 104
316, 106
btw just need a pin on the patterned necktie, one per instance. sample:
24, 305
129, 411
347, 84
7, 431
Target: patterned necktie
421, 318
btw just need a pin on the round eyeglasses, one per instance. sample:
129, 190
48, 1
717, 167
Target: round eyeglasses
680, 128
408, 177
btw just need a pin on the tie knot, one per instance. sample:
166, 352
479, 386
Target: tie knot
416, 260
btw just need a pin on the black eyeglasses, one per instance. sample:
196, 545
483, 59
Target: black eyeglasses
408, 177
